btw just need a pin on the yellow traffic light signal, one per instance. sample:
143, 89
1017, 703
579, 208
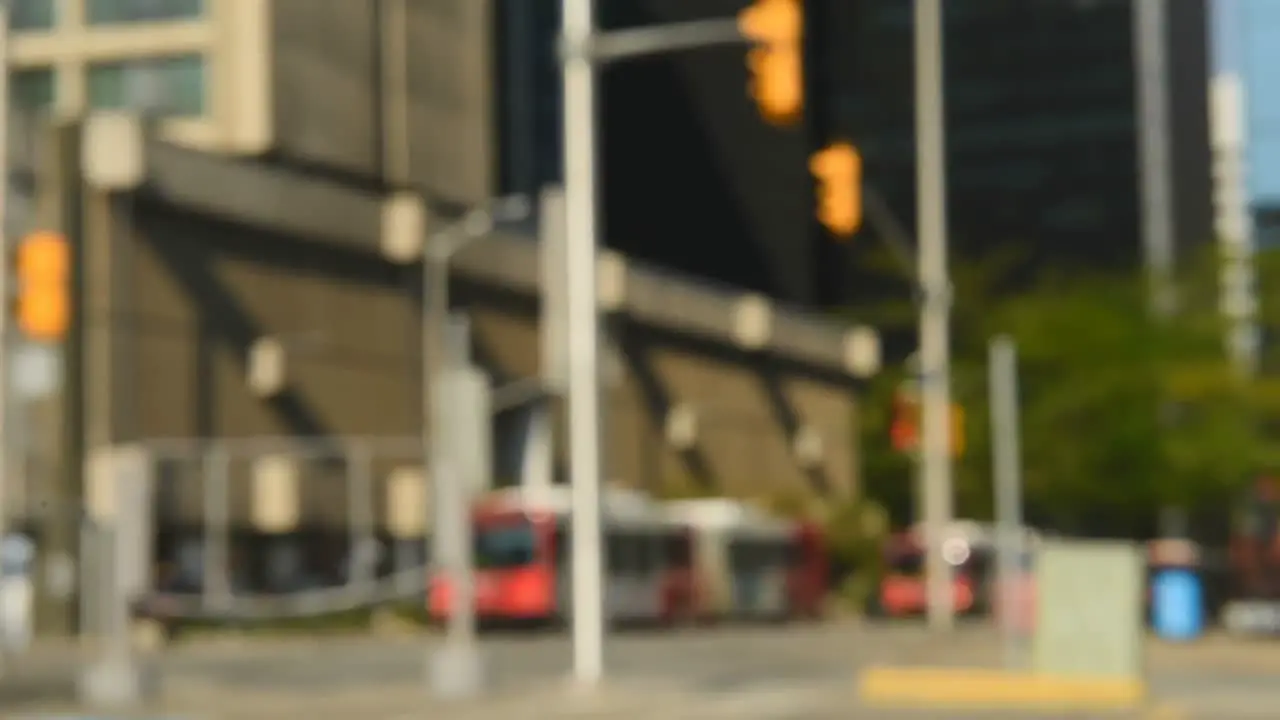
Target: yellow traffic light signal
776, 61
838, 170
43, 266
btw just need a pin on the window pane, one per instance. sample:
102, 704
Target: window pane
31, 14
168, 86
101, 12
32, 89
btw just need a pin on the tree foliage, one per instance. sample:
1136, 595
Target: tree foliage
1122, 412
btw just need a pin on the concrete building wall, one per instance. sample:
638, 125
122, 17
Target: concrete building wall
748, 413
179, 307
174, 319
325, 71
200, 294
185, 285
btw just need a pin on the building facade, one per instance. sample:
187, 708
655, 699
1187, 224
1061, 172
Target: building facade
1247, 114
1043, 125
192, 61
385, 93
279, 209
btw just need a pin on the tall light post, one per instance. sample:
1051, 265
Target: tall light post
1150, 35
6, 461
583, 337
935, 306
581, 49
449, 382
437, 252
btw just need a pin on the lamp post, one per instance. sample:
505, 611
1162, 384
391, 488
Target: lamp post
935, 306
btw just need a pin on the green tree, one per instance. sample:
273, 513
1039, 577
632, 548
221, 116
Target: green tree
1121, 412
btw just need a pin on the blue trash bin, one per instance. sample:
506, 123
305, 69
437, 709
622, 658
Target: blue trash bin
1177, 604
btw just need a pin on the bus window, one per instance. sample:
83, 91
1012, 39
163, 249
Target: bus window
907, 564
505, 546
623, 552
676, 551
561, 541
646, 550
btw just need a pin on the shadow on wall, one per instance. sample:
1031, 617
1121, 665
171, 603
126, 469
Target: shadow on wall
770, 373
188, 245
636, 353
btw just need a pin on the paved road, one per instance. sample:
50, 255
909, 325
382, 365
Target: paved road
795, 672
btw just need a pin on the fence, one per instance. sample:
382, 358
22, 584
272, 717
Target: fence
260, 529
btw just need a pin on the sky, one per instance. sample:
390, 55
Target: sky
1226, 45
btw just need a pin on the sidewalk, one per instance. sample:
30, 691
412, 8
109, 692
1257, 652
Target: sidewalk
633, 701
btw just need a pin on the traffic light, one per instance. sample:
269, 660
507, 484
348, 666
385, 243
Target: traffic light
904, 428
776, 59
43, 265
838, 170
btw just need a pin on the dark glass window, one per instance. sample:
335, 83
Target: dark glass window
105, 12
34, 89
32, 14
168, 86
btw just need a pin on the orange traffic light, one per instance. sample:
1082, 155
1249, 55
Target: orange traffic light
838, 169
904, 430
776, 64
43, 266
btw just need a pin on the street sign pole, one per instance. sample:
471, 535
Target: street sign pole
1006, 450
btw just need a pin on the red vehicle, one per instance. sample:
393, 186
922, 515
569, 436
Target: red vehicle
1254, 561
522, 540
1255, 542
751, 566
902, 591
968, 549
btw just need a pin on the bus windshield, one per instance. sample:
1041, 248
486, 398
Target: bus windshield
505, 546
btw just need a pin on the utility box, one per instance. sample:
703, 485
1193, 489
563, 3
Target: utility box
1089, 609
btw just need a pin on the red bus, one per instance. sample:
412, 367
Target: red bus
522, 540
751, 566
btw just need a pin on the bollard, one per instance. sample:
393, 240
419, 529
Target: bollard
115, 677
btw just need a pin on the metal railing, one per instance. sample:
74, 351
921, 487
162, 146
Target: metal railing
263, 529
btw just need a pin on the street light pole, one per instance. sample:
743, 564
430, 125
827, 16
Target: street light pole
935, 360
6, 478
437, 253
1150, 24
456, 668
583, 337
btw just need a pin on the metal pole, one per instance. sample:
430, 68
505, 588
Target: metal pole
935, 359
583, 336
6, 477
435, 306
362, 544
457, 670
1006, 454
1150, 41
217, 580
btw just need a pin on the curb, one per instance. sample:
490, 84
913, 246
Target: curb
982, 689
